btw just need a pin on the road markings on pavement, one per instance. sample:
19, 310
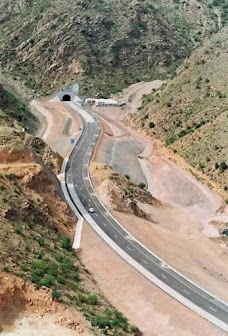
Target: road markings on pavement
186, 292
213, 309
163, 276
104, 224
163, 265
115, 235
128, 248
145, 262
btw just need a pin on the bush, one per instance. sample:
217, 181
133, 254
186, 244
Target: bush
93, 299
151, 124
61, 279
216, 165
24, 267
75, 276
47, 281
172, 139
182, 133
18, 230
56, 294
66, 243
142, 185
222, 166
11, 176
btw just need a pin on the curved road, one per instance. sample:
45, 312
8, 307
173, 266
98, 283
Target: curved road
171, 281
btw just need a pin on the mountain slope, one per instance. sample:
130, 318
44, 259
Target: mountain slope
107, 44
190, 113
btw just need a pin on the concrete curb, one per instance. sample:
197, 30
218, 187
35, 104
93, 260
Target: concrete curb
137, 266
78, 232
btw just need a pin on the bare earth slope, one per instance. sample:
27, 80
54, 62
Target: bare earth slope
109, 44
190, 113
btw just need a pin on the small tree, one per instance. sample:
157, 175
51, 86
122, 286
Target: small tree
216, 165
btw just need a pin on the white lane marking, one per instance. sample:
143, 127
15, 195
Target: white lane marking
115, 235
213, 309
128, 248
104, 224
145, 262
163, 265
96, 214
163, 276
186, 292
129, 237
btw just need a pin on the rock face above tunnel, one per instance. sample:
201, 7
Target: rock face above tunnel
69, 93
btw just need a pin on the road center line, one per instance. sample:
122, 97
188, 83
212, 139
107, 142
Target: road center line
162, 275
186, 292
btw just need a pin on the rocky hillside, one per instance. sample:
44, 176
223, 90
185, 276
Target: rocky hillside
105, 44
37, 229
119, 192
190, 113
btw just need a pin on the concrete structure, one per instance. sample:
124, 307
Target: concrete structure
101, 102
69, 93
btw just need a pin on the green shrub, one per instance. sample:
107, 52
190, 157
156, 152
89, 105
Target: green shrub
47, 281
66, 243
56, 294
35, 278
18, 229
151, 124
172, 139
61, 279
142, 185
93, 299
222, 166
24, 267
75, 276
11, 176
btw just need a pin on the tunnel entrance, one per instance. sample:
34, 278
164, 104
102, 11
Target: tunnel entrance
66, 97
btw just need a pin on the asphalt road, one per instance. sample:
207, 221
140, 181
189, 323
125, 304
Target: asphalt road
77, 173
